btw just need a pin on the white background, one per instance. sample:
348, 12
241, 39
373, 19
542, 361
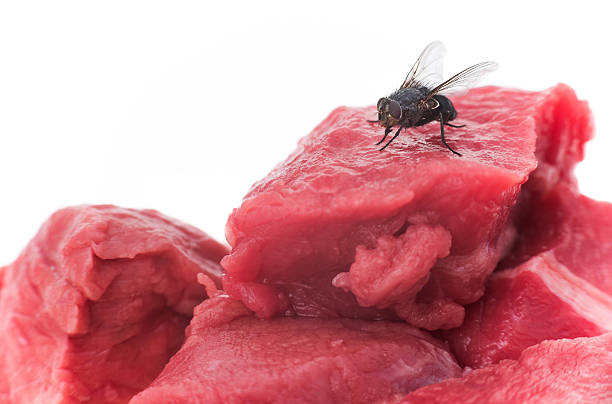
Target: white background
180, 106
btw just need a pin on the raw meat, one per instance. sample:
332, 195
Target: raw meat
97, 303
558, 293
560, 372
564, 128
539, 300
230, 356
575, 229
341, 229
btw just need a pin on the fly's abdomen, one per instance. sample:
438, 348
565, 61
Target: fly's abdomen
446, 107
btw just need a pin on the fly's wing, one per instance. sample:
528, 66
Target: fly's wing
461, 82
427, 70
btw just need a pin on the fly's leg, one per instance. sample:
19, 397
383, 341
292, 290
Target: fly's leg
384, 137
371, 121
453, 126
442, 135
392, 139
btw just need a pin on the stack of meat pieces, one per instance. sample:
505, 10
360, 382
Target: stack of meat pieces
408, 275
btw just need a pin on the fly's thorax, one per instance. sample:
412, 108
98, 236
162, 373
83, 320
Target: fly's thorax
410, 100
413, 114
410, 95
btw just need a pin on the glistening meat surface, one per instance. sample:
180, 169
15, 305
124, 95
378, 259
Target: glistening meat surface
231, 356
341, 229
561, 372
97, 303
561, 291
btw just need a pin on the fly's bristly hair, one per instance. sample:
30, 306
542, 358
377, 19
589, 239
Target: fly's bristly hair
422, 97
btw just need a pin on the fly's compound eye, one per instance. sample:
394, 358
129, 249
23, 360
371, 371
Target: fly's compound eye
395, 110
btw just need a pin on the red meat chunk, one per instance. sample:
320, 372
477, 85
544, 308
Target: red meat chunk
97, 303
341, 229
539, 300
231, 356
559, 293
575, 229
560, 372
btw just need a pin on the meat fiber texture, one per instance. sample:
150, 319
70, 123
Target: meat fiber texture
342, 229
231, 356
97, 303
561, 372
573, 228
563, 290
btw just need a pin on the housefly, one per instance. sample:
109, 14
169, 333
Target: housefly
422, 96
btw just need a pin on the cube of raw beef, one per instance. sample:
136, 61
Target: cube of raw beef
575, 229
537, 301
343, 229
560, 292
561, 372
97, 303
231, 356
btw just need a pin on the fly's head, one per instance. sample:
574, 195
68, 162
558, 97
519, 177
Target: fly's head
389, 112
